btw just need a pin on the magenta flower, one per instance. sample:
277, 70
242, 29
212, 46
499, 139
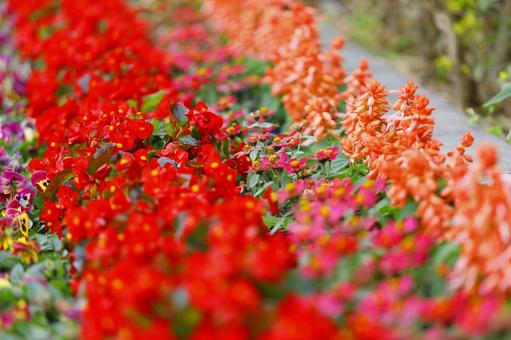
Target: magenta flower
26, 198
10, 130
295, 165
329, 154
14, 208
7, 319
40, 180
11, 181
328, 304
410, 224
4, 157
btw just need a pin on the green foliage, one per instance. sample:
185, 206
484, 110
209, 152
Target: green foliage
504, 93
151, 101
463, 43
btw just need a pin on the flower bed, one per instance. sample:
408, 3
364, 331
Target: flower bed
172, 197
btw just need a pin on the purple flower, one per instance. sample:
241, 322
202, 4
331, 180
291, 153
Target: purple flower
14, 209
4, 61
4, 157
4, 38
11, 181
10, 130
19, 85
26, 198
73, 312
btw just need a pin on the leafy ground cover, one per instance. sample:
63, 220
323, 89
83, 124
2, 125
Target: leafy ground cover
204, 170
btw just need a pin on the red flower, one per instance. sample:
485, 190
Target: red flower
207, 122
297, 319
140, 128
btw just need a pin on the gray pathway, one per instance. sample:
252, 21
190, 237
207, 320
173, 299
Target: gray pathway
451, 122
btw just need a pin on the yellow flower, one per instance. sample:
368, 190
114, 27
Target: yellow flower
4, 282
23, 223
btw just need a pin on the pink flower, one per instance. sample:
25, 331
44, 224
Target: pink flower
388, 236
294, 165
410, 224
328, 304
330, 154
225, 103
394, 262
475, 320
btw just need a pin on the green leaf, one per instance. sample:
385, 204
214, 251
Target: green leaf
281, 224
38, 200
496, 131
44, 32
270, 221
263, 188
42, 240
339, 163
7, 297
171, 130
132, 103
261, 125
179, 111
188, 140
253, 179
185, 322
7, 261
55, 242
254, 66
446, 253
156, 126
165, 160
383, 211
484, 5
17, 273
151, 101
409, 209
346, 269
505, 92
253, 154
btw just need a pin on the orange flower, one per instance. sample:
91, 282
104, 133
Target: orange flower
364, 122
482, 226
357, 81
400, 148
284, 32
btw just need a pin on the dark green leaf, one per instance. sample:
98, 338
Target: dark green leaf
188, 140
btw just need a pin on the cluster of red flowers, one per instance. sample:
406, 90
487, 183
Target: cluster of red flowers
168, 239
143, 182
285, 33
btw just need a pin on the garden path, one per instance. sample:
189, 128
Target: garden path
451, 122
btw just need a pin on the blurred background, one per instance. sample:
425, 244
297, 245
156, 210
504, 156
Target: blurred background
459, 47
